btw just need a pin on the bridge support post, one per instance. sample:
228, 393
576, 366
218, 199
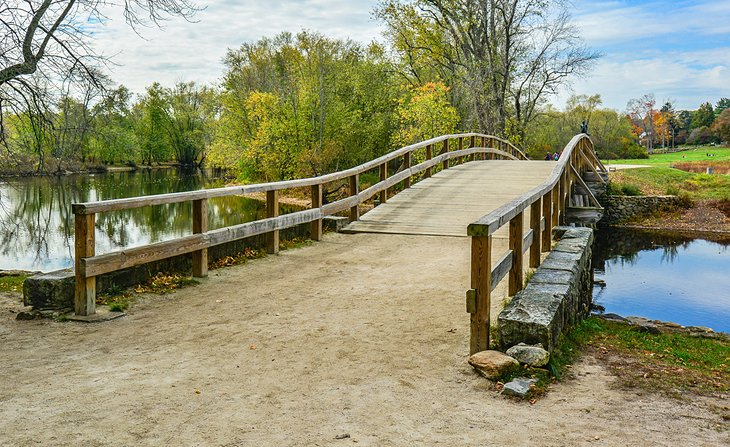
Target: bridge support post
383, 177
472, 143
535, 210
547, 212
406, 166
315, 232
272, 210
85, 293
556, 205
481, 275
200, 225
516, 231
445, 164
429, 155
355, 190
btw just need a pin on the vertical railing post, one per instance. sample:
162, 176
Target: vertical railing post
355, 190
200, 225
516, 232
556, 204
481, 275
406, 166
85, 293
272, 210
429, 155
460, 160
384, 177
445, 164
535, 210
547, 212
472, 143
315, 231
483, 156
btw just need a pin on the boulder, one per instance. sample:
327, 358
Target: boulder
54, 290
519, 387
530, 355
493, 364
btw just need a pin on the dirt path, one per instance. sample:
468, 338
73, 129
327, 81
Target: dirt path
364, 335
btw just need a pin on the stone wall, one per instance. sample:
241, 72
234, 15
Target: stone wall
621, 209
557, 297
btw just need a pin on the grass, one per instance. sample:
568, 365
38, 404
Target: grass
664, 180
697, 154
12, 283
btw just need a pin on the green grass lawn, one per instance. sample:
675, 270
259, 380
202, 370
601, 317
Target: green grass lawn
665, 180
695, 154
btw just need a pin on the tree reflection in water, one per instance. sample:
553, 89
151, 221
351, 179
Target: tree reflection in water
37, 225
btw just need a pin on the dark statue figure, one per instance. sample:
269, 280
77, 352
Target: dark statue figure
584, 127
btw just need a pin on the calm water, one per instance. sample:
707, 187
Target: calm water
663, 277
36, 222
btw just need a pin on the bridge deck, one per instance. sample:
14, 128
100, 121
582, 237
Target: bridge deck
446, 203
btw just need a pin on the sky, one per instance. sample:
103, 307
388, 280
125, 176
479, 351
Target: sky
676, 50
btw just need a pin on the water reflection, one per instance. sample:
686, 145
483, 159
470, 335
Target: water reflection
36, 222
664, 276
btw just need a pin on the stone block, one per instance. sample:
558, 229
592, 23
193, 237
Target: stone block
493, 364
54, 290
534, 356
531, 318
519, 387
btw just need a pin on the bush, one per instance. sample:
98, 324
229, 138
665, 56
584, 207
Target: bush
630, 190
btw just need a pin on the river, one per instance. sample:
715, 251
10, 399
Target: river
37, 225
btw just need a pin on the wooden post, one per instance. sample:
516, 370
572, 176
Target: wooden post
515, 244
472, 143
483, 156
445, 164
355, 190
272, 210
200, 225
535, 211
460, 160
407, 165
556, 211
481, 274
384, 177
85, 295
429, 155
547, 212
315, 231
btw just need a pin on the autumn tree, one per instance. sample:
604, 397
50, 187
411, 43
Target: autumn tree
501, 58
426, 113
642, 114
721, 127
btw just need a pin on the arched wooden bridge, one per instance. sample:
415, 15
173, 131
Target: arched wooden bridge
465, 185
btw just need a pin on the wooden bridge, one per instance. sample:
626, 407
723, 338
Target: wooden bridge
466, 185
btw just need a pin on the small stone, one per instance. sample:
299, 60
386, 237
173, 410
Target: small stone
519, 387
25, 316
699, 329
647, 328
613, 317
493, 364
530, 355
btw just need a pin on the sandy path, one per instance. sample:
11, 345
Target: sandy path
351, 335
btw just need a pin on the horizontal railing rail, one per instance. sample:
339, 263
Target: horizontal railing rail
88, 265
547, 203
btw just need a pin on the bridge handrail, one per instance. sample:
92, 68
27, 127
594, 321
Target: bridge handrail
160, 199
88, 265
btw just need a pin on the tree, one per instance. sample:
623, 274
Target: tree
642, 114
721, 127
704, 116
722, 104
47, 42
152, 125
426, 114
500, 57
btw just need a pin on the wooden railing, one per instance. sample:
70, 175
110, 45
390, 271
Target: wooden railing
450, 149
547, 203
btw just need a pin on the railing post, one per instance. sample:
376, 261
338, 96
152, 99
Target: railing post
406, 166
272, 210
547, 212
483, 156
556, 205
460, 160
383, 177
200, 225
535, 210
445, 164
429, 155
481, 276
516, 232
472, 143
315, 231
85, 294
355, 190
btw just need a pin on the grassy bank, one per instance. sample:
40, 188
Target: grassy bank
664, 180
696, 154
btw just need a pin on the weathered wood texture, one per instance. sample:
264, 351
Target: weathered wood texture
85, 299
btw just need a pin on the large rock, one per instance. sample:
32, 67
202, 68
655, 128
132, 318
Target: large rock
493, 364
54, 290
530, 355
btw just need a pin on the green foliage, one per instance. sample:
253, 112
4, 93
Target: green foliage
425, 114
622, 189
704, 116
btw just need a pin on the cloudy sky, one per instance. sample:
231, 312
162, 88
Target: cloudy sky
677, 50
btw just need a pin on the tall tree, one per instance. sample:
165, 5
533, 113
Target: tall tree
501, 57
642, 113
704, 116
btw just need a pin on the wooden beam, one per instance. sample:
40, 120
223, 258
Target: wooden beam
354, 191
588, 191
515, 244
481, 271
472, 143
445, 164
315, 231
200, 225
407, 166
85, 293
547, 231
535, 210
383, 177
429, 155
272, 210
